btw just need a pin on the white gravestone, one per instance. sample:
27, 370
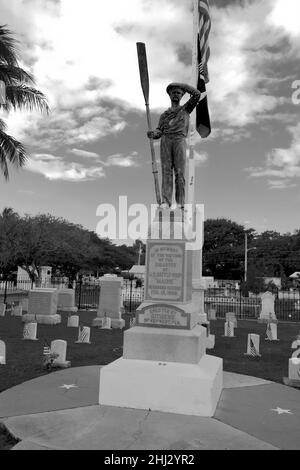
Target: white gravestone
106, 323
16, 311
84, 335
229, 329
59, 347
212, 312
271, 332
267, 313
66, 300
2, 310
73, 321
24, 303
253, 345
29, 331
294, 363
110, 301
231, 317
2, 353
42, 307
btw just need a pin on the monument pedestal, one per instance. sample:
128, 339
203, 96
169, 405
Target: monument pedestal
164, 365
42, 307
190, 389
42, 319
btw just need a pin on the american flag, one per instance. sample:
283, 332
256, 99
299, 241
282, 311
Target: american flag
269, 332
203, 53
83, 335
252, 351
229, 331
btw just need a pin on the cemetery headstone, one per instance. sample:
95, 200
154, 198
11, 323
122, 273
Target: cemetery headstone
253, 345
293, 379
17, 311
110, 301
267, 313
59, 347
211, 314
66, 300
271, 332
2, 310
229, 329
2, 353
24, 303
29, 331
231, 317
106, 323
84, 335
73, 321
42, 307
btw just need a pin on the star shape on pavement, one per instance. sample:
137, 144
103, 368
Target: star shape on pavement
67, 387
280, 411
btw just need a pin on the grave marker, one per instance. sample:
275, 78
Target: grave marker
59, 347
253, 345
84, 335
267, 313
2, 310
16, 311
271, 332
73, 321
2, 353
42, 307
229, 329
231, 317
29, 331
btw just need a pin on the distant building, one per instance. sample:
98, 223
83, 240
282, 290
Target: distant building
138, 271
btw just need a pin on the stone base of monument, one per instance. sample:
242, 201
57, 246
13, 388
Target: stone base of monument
67, 309
42, 319
116, 323
164, 344
170, 387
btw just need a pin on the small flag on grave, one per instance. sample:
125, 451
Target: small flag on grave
269, 332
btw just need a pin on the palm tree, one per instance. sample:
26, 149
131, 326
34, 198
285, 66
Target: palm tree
20, 94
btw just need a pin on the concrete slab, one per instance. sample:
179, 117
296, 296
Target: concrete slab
110, 428
44, 393
250, 409
231, 380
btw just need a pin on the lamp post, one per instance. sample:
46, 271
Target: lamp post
246, 255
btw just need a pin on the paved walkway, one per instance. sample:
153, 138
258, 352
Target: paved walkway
60, 411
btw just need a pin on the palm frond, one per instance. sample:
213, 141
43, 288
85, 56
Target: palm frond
12, 74
24, 97
3, 125
8, 46
11, 151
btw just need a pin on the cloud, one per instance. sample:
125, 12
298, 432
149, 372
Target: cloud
123, 161
84, 153
84, 58
56, 168
282, 163
281, 184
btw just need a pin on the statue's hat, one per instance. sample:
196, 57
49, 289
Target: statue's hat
175, 85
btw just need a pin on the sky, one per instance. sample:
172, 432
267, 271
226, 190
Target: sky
93, 148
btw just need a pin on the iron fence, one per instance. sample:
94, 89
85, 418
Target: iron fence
87, 296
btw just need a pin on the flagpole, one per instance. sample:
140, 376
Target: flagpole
192, 129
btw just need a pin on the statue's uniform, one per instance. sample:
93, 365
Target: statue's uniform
174, 125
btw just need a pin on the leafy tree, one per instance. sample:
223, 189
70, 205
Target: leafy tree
20, 94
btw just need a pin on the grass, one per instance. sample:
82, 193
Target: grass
24, 358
